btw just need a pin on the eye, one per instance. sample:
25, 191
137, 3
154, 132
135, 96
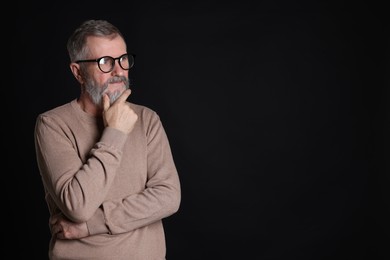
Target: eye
125, 58
105, 60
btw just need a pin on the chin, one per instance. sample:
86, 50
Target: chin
114, 95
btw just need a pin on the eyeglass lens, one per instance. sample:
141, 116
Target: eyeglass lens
106, 64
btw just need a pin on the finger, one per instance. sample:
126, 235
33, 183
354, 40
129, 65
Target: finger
55, 229
60, 235
53, 220
123, 96
106, 102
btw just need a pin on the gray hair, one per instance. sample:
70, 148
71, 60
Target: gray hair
76, 45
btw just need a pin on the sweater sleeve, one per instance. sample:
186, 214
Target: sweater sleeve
160, 198
78, 188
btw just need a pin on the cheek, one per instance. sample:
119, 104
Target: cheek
100, 78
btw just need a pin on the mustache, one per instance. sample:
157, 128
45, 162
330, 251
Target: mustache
117, 79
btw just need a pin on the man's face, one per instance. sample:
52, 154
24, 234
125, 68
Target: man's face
98, 83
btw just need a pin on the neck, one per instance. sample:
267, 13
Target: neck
88, 106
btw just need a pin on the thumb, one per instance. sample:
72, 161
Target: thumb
106, 102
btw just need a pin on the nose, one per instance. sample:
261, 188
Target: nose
117, 70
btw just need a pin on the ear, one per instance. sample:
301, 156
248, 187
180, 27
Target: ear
75, 68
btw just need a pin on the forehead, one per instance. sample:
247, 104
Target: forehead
103, 46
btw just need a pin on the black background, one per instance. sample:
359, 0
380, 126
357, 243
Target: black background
277, 113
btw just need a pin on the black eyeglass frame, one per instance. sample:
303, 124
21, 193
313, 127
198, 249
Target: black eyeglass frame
118, 58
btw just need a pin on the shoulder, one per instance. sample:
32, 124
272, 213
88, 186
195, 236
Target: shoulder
57, 114
143, 111
59, 110
148, 119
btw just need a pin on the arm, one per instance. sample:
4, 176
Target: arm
77, 167
160, 198
77, 187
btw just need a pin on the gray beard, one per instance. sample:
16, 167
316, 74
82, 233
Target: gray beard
96, 91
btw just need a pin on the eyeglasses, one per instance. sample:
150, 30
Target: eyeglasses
106, 64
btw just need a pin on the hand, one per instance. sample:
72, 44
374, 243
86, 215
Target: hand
63, 228
119, 115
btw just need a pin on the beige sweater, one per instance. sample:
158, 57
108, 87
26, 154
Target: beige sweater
121, 185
